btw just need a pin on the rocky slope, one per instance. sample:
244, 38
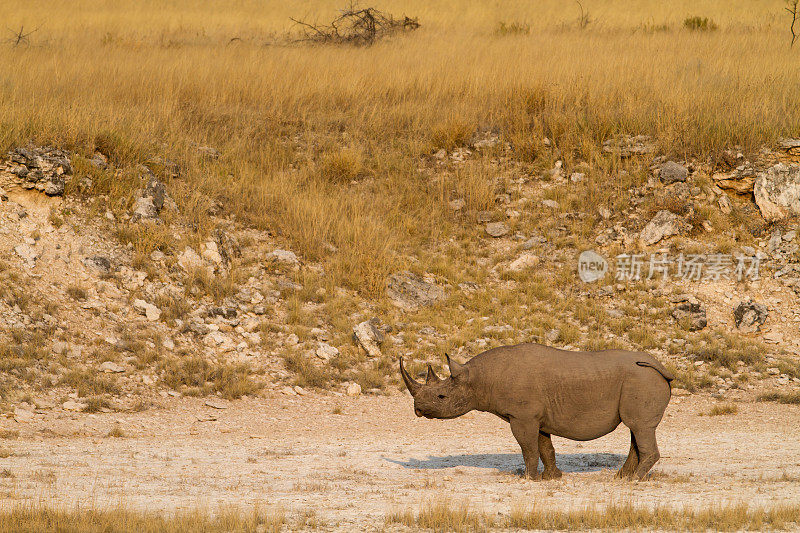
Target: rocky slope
113, 293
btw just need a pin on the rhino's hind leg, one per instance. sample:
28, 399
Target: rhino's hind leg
632, 462
645, 396
548, 455
648, 451
527, 434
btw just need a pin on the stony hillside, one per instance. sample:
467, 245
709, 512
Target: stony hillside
121, 285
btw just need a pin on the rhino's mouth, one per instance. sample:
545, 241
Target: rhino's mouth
429, 416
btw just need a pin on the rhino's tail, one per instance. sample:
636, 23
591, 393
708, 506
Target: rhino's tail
658, 367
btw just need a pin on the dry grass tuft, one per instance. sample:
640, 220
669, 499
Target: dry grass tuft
29, 519
723, 409
792, 397
627, 516
116, 432
196, 376
442, 515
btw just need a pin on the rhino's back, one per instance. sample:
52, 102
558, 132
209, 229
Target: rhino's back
534, 363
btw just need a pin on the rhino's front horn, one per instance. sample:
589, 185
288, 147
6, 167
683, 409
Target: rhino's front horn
413, 386
432, 377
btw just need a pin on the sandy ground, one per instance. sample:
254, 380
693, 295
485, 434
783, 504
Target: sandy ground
376, 456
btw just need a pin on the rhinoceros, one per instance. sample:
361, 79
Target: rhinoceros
543, 391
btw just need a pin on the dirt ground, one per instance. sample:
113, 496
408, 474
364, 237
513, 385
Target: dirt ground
375, 456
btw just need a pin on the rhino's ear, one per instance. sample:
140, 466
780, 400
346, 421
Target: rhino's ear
456, 369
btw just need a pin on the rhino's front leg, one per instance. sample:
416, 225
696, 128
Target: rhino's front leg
526, 431
548, 455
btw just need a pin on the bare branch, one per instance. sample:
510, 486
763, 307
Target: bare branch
791, 8
20, 37
584, 20
355, 26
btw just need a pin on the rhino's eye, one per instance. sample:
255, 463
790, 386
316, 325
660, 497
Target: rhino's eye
441, 396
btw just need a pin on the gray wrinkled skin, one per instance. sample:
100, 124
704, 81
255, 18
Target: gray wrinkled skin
543, 391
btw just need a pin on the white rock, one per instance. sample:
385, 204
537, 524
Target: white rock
299, 390
550, 203
111, 367
525, 260
496, 229
216, 404
210, 251
725, 204
149, 310
27, 252
189, 260
217, 338
72, 405
60, 347
777, 192
664, 224
283, 256
353, 389
325, 351
168, 343
144, 208
132, 279
22, 415
368, 337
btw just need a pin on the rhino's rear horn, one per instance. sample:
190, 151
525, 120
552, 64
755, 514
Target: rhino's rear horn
455, 367
413, 386
432, 377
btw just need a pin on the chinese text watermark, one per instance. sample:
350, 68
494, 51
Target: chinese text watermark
689, 267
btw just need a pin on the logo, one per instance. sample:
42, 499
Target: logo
591, 266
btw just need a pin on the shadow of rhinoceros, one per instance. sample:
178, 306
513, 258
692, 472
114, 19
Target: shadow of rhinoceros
512, 462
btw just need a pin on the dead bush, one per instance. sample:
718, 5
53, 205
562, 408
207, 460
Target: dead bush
359, 27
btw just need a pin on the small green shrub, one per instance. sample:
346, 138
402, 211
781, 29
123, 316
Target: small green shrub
699, 24
511, 28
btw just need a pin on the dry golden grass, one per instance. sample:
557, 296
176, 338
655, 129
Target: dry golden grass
322, 144
627, 516
23, 519
791, 397
721, 409
196, 376
443, 515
